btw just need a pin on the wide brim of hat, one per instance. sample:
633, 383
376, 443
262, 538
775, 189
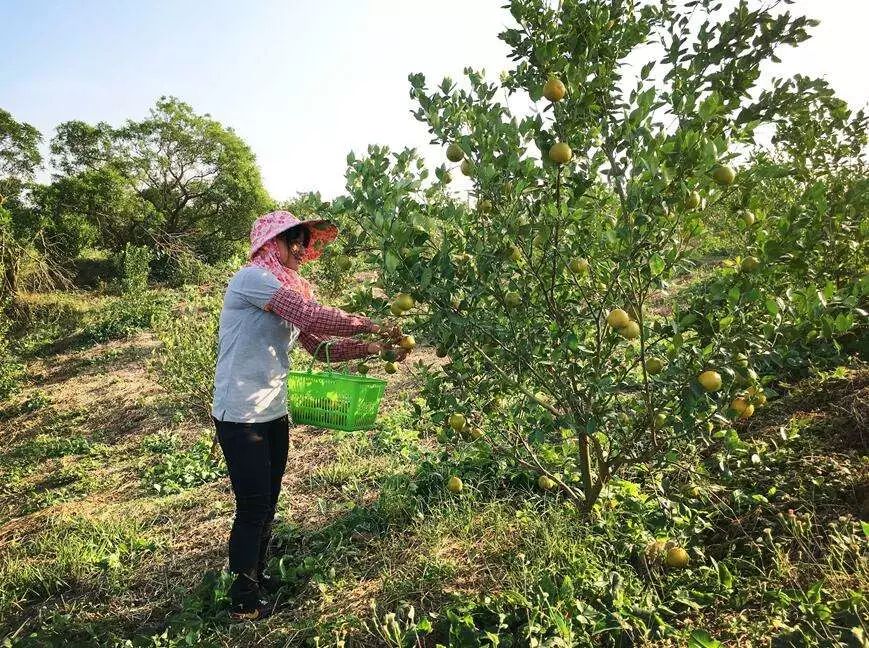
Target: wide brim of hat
321, 233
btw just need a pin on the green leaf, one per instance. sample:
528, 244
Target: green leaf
656, 264
391, 261
702, 639
725, 578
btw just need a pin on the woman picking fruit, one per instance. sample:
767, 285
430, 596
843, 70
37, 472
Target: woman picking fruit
269, 307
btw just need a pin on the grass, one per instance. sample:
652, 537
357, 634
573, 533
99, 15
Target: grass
116, 519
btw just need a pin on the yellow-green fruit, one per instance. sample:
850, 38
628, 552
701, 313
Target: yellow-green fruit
485, 206
457, 422
455, 485
512, 299
554, 90
476, 433
710, 380
545, 482
724, 175
741, 359
677, 558
455, 153
692, 200
578, 266
750, 264
466, 167
617, 318
654, 366
630, 331
390, 367
742, 407
404, 301
560, 153
515, 254
747, 218
342, 262
362, 368
659, 420
396, 310
448, 177
407, 342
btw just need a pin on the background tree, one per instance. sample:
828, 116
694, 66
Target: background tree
177, 181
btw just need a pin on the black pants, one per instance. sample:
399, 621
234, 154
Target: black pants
256, 457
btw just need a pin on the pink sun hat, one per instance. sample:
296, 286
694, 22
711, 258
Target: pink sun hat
268, 226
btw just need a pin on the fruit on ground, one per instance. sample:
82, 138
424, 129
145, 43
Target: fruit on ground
396, 310
390, 367
677, 558
747, 218
692, 200
457, 422
455, 485
630, 331
362, 368
407, 342
545, 482
750, 264
455, 152
578, 266
404, 301
441, 352
724, 175
512, 299
388, 355
554, 90
742, 407
710, 380
654, 366
476, 433
617, 318
466, 167
560, 153
342, 263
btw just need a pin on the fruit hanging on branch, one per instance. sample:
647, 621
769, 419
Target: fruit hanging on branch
710, 380
455, 153
724, 175
560, 153
554, 90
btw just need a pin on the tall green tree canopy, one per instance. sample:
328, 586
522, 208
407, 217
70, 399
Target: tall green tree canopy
174, 179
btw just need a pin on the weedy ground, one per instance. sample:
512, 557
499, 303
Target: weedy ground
114, 516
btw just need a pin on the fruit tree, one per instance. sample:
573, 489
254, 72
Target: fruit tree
548, 290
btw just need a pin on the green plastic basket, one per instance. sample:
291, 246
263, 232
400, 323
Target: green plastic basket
334, 400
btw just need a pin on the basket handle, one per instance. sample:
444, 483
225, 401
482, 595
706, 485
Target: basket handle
327, 343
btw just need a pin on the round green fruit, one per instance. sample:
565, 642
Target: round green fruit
560, 153
724, 175
554, 90
455, 153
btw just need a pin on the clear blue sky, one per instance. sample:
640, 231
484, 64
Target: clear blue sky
302, 82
